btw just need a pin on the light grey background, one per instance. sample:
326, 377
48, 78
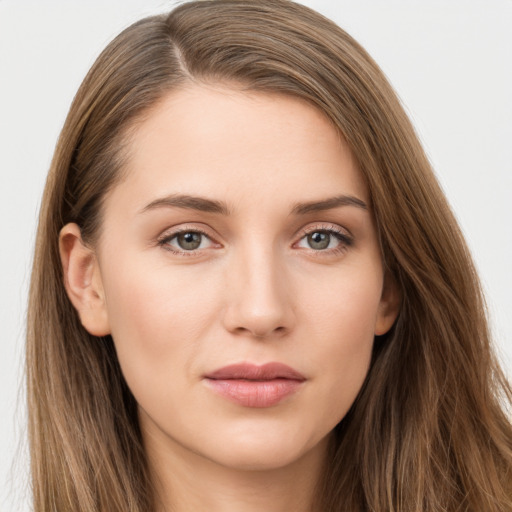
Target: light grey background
450, 62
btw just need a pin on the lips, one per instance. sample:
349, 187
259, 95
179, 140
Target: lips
248, 371
255, 386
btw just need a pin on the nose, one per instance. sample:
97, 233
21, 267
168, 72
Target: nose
259, 296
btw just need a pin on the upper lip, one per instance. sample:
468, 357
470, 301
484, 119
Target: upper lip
249, 371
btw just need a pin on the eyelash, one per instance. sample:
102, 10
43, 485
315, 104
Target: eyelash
345, 240
164, 241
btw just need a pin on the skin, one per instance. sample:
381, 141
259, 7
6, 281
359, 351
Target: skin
257, 289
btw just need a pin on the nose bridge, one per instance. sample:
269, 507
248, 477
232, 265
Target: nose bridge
259, 301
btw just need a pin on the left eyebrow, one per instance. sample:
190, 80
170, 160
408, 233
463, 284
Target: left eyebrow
328, 204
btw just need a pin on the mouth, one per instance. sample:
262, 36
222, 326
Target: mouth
255, 386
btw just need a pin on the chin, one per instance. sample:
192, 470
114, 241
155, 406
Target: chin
259, 453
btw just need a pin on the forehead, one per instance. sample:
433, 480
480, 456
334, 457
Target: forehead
240, 147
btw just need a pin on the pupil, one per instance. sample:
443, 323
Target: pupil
189, 241
319, 240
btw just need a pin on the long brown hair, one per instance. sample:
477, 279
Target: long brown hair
429, 430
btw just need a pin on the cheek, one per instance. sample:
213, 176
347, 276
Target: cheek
157, 317
341, 322
344, 305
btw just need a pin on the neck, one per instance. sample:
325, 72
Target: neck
185, 481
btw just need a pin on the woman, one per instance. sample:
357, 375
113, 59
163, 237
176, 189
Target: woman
249, 291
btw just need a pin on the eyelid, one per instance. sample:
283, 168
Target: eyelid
323, 226
171, 233
344, 236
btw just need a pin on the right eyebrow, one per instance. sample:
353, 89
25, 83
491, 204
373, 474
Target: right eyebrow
189, 202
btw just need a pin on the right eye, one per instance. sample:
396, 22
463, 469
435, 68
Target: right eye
186, 241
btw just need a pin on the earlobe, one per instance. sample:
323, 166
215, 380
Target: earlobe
82, 280
389, 306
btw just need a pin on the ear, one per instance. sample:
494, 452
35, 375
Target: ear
389, 305
82, 280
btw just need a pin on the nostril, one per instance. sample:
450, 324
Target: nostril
260, 333
261, 311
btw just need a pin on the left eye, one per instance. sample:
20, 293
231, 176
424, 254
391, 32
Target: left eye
188, 241
321, 240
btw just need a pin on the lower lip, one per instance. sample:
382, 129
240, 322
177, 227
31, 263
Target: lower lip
252, 393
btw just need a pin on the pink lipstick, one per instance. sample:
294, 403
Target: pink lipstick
255, 386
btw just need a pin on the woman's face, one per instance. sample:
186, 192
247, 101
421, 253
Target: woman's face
241, 235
